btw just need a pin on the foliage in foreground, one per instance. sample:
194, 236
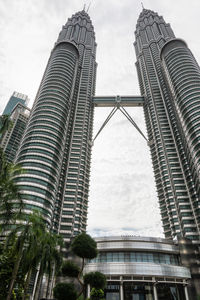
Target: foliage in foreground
29, 246
5, 124
10, 211
86, 248
7, 261
70, 269
63, 291
26, 243
96, 280
96, 293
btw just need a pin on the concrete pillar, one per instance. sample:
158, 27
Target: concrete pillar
88, 291
186, 292
121, 291
155, 292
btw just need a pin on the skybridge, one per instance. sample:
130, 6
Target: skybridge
124, 101
118, 103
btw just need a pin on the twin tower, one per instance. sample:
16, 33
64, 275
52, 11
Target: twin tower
56, 148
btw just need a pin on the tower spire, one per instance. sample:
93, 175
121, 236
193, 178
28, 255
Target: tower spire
142, 5
88, 7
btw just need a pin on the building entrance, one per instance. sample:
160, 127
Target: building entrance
112, 291
138, 291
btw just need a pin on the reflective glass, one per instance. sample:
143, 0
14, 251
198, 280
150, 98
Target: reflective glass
159, 258
111, 292
112, 296
138, 291
170, 292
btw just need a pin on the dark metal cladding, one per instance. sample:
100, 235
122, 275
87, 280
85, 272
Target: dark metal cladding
55, 151
170, 120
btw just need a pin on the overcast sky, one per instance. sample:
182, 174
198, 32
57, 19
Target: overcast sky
123, 199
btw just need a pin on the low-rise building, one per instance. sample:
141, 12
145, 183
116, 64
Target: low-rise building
141, 268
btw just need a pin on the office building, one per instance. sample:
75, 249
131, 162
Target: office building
141, 268
56, 147
169, 79
55, 152
11, 139
14, 99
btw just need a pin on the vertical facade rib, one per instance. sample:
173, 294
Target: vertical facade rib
73, 212
55, 152
177, 186
183, 76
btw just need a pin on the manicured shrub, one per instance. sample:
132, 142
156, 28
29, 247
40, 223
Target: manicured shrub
84, 246
70, 269
96, 294
95, 279
64, 291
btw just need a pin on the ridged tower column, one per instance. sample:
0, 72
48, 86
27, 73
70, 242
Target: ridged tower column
174, 178
56, 149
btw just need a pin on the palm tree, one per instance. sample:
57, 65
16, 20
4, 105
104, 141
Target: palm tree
26, 234
32, 253
9, 191
50, 259
10, 200
5, 124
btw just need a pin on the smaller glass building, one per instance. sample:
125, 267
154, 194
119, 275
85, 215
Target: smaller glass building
13, 101
141, 268
12, 138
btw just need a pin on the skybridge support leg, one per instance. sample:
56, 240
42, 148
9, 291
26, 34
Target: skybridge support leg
125, 113
113, 111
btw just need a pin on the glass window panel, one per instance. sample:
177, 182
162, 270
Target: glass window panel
150, 257
138, 257
133, 257
121, 256
160, 258
115, 256
127, 256
109, 257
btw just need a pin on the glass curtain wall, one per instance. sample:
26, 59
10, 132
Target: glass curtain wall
144, 291
112, 291
170, 292
138, 291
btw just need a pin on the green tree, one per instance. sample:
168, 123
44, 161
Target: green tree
29, 241
10, 209
96, 280
5, 124
50, 259
7, 261
70, 269
25, 239
96, 294
85, 247
65, 291
34, 247
9, 193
